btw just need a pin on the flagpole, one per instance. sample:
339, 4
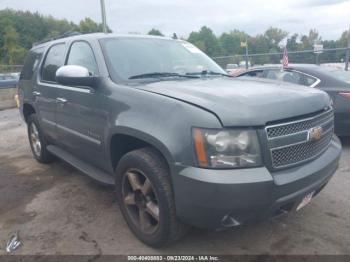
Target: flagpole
347, 53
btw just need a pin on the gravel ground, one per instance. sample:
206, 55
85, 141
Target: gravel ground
58, 210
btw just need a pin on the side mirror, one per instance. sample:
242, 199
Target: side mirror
74, 75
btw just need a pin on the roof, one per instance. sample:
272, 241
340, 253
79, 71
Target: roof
97, 36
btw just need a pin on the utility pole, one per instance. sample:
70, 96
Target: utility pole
347, 53
103, 14
246, 53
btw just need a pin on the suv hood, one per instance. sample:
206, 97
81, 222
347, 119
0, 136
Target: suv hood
244, 102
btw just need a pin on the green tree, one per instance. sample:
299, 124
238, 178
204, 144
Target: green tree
87, 26
231, 42
155, 32
28, 28
274, 36
206, 41
14, 53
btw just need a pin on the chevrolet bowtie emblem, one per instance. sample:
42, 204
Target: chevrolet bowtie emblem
315, 133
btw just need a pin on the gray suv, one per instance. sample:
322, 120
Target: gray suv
183, 143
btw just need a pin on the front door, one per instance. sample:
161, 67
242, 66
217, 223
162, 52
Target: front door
80, 124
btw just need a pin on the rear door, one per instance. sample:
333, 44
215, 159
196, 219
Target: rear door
80, 123
47, 88
27, 82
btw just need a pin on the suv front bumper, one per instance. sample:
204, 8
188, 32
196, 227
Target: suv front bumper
206, 197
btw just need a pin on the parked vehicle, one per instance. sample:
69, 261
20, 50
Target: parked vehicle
182, 142
9, 80
234, 69
332, 80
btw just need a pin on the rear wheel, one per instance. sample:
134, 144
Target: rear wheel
37, 141
146, 199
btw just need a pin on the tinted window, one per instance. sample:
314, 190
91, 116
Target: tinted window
257, 73
309, 80
284, 75
31, 63
54, 60
81, 54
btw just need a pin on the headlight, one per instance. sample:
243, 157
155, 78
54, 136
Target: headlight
226, 148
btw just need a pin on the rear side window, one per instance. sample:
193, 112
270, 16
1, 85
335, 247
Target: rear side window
257, 73
309, 80
81, 54
54, 60
31, 63
284, 75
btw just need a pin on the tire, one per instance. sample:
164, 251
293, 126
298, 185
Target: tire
37, 141
143, 182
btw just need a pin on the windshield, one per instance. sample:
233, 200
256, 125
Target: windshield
129, 58
341, 75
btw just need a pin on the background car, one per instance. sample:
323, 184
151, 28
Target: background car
334, 81
9, 80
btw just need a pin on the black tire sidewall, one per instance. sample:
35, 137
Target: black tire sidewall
152, 169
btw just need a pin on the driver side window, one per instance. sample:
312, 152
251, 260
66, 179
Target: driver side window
81, 54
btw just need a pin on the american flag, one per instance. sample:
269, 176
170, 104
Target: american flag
285, 58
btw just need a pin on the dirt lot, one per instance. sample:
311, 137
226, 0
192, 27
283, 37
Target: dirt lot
60, 211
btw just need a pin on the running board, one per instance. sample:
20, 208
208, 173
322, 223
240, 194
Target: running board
89, 170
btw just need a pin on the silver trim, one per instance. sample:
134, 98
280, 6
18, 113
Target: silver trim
73, 132
303, 161
76, 133
331, 119
61, 100
71, 88
322, 124
314, 77
48, 121
298, 121
301, 142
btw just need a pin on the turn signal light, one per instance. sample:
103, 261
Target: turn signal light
199, 146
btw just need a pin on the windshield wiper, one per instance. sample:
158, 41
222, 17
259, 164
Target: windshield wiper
161, 74
208, 73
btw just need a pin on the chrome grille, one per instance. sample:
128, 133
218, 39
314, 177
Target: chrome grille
297, 126
289, 143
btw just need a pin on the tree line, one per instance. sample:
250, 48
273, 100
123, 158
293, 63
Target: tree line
272, 40
19, 30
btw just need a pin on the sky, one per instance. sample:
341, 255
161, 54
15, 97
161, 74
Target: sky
329, 17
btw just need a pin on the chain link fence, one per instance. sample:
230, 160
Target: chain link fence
334, 56
6, 69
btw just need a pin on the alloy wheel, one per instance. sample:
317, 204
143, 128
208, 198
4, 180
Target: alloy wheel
35, 139
141, 201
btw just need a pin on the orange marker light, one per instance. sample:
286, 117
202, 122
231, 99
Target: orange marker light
199, 146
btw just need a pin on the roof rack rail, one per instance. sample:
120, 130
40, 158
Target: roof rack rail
64, 35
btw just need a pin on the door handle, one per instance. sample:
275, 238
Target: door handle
61, 100
36, 93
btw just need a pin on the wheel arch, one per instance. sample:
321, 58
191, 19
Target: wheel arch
124, 140
27, 110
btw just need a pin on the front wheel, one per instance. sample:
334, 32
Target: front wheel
146, 199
